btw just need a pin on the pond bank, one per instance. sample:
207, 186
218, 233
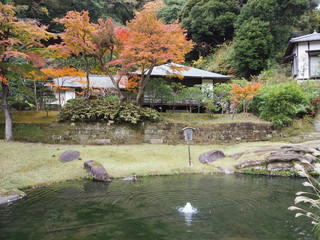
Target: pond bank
25, 165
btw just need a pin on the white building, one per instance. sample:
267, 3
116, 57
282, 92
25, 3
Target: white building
72, 86
304, 53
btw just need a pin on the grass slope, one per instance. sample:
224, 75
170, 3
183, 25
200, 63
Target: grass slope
26, 164
31, 117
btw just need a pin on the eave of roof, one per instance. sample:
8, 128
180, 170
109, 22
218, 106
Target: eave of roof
305, 38
165, 70
96, 81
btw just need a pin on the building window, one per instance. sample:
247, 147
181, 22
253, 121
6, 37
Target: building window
314, 66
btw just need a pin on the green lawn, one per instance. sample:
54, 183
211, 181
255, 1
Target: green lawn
26, 164
31, 117
205, 118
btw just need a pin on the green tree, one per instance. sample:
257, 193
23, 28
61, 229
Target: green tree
193, 97
171, 11
308, 22
253, 47
18, 40
47, 10
280, 14
158, 92
281, 103
209, 22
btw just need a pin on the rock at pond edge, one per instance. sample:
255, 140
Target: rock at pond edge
13, 195
97, 170
211, 156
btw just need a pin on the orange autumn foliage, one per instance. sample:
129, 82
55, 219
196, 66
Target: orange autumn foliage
18, 39
131, 82
244, 94
148, 41
4, 80
63, 74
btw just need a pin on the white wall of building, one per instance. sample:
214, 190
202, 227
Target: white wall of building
303, 60
307, 65
65, 95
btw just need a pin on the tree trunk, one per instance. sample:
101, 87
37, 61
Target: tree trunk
59, 97
6, 112
139, 96
120, 94
35, 95
87, 76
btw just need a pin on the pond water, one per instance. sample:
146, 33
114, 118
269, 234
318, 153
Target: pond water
228, 207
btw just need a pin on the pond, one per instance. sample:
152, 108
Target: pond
228, 207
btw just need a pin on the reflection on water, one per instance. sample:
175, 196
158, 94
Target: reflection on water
188, 210
229, 207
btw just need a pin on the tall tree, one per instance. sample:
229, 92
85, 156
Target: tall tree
150, 42
253, 47
209, 22
17, 39
76, 40
171, 11
87, 40
280, 14
262, 30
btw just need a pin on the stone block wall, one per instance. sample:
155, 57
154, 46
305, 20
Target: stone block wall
160, 133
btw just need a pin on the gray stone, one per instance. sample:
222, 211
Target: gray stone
238, 155
265, 150
302, 149
211, 156
156, 141
251, 164
130, 178
280, 166
101, 141
226, 170
11, 196
97, 171
287, 157
69, 156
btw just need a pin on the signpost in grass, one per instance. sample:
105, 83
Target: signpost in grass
188, 137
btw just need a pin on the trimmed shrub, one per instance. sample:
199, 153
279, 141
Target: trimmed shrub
106, 111
281, 103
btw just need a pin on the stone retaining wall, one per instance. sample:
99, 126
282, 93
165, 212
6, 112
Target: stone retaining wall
160, 133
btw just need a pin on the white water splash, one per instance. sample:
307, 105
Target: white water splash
188, 211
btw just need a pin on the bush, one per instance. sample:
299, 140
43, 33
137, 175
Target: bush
106, 111
281, 103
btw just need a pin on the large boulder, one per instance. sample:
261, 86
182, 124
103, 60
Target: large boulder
289, 157
69, 156
211, 156
97, 171
300, 149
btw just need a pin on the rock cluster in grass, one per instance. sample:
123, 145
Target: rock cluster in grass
69, 156
211, 156
281, 160
97, 171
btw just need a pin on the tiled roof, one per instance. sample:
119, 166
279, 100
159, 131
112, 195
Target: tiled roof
190, 72
96, 81
306, 38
